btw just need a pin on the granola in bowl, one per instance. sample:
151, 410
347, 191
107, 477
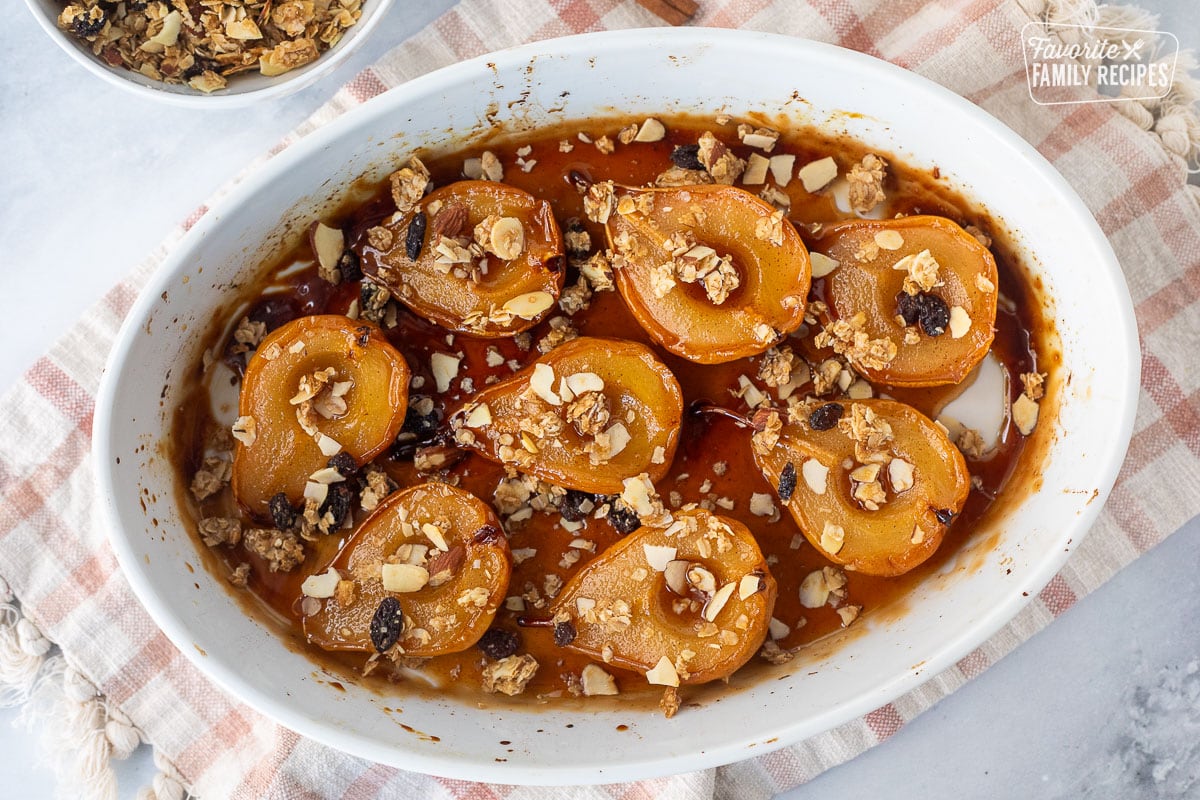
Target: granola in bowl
203, 44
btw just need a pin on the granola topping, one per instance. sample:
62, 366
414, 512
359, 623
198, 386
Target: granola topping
866, 183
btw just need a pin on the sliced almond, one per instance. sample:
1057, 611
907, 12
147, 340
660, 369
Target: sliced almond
596, 682
701, 579
658, 556
781, 168
1025, 414
507, 240
750, 585
816, 175
814, 592
719, 599
584, 605
328, 445
960, 322
833, 538
663, 673
756, 170
444, 367
816, 475
317, 492
404, 577
582, 382
618, 438
762, 504
866, 473
480, 416
542, 384
848, 614
321, 586
675, 575
327, 475
777, 629
651, 131
169, 34
889, 240
529, 305
328, 244
822, 264
245, 430
900, 473
434, 534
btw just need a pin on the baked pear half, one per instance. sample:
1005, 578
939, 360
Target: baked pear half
872, 484
712, 272
477, 257
685, 603
424, 574
912, 301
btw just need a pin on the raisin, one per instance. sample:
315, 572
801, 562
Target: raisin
337, 504
421, 426
580, 180
574, 504
623, 518
488, 535
387, 624
345, 464
564, 633
787, 481
577, 240
934, 314
414, 240
85, 25
944, 515
908, 308
826, 416
686, 156
498, 643
282, 513
350, 266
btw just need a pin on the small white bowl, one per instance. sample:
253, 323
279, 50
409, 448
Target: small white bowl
660, 72
243, 89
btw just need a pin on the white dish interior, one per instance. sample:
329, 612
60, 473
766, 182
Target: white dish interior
653, 72
243, 89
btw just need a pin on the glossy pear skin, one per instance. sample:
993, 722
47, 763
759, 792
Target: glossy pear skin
623, 573
881, 542
451, 625
283, 455
774, 278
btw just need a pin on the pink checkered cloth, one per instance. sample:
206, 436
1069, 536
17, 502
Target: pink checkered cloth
56, 558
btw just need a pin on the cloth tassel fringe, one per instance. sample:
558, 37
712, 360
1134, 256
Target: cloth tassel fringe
81, 731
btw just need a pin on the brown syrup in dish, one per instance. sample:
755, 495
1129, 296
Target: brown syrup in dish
1019, 346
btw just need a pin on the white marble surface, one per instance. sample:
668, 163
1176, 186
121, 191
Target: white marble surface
1103, 704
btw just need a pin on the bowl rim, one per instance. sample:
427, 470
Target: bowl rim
1124, 349
285, 85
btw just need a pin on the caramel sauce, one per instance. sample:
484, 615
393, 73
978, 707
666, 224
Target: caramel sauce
1020, 345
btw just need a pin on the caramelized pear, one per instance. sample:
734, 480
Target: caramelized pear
585, 416
872, 484
713, 273
315, 387
424, 573
923, 284
685, 603
476, 257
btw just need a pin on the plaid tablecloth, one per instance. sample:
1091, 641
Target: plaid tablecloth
1126, 160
